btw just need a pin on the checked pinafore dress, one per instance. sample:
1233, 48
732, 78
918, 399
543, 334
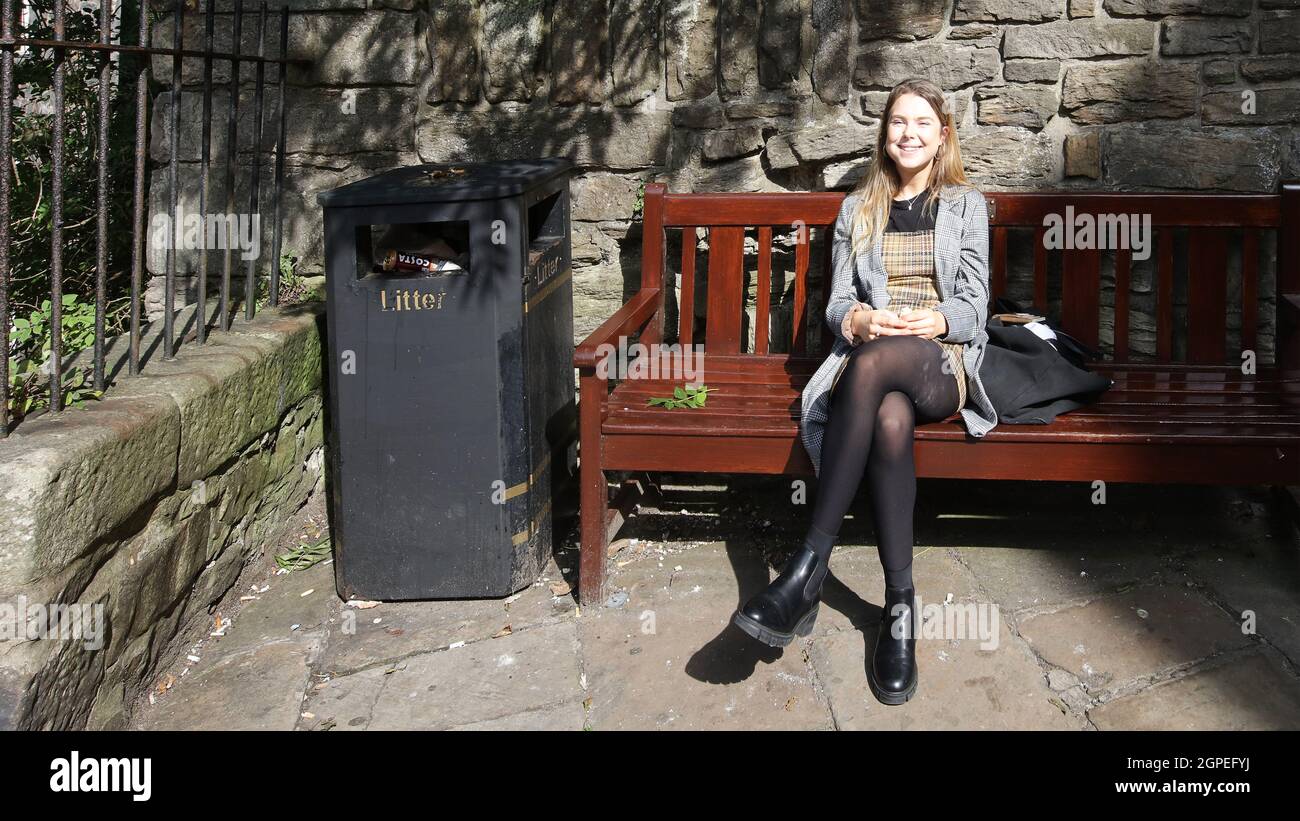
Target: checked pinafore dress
908, 258
907, 253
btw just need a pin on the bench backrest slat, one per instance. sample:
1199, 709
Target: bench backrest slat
686, 308
1207, 296
726, 289
1123, 263
1165, 295
763, 303
1080, 286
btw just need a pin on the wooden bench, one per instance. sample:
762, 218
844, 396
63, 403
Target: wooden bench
1191, 418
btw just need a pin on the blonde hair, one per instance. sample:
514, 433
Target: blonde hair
881, 181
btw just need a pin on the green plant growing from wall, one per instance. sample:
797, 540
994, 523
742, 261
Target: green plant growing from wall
30, 340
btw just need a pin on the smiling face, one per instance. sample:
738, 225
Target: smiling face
913, 134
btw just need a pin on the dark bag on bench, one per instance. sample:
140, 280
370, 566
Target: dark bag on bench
1029, 381
1069, 347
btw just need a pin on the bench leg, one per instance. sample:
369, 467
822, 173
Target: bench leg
595, 498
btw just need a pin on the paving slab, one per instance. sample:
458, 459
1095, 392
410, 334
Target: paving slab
1246, 692
669, 657
295, 604
1117, 641
261, 689
357, 641
1260, 578
974, 682
482, 681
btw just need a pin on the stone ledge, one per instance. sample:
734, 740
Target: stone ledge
148, 503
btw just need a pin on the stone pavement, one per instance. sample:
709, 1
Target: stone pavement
1165, 607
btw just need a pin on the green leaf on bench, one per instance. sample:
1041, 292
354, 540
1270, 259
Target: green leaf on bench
682, 398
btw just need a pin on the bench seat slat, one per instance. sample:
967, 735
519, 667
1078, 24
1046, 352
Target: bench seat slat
1064, 429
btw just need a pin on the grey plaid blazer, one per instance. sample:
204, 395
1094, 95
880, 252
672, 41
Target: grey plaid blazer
961, 249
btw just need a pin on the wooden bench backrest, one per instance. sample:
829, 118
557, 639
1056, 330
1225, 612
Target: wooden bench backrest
1211, 219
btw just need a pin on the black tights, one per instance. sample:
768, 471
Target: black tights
889, 385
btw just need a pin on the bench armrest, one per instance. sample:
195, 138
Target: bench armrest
633, 316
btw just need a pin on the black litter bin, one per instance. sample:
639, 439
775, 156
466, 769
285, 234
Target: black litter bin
451, 398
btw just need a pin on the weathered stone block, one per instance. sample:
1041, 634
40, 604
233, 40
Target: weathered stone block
1279, 32
622, 138
945, 64
831, 65
451, 44
690, 49
1001, 157
1271, 106
1265, 69
704, 114
846, 174
601, 196
1235, 8
514, 57
1026, 106
732, 142
977, 34
737, 48
1073, 39
1219, 72
831, 140
780, 155
1032, 71
1008, 11
909, 20
756, 108
68, 480
1083, 155
779, 43
1179, 37
1114, 91
579, 41
1225, 159
634, 32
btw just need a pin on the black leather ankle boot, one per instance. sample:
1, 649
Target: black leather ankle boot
893, 674
788, 606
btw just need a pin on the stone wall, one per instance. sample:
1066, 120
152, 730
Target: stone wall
773, 95
148, 504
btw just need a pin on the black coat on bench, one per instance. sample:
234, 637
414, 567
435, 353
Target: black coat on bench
1029, 381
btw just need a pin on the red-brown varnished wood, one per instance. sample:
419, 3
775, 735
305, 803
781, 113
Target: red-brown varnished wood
800, 342
1249, 288
998, 263
1123, 264
1199, 210
763, 302
1207, 295
1080, 293
593, 493
1040, 267
827, 277
653, 244
747, 210
726, 290
1165, 294
686, 309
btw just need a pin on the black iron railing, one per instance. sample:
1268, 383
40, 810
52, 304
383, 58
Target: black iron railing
104, 49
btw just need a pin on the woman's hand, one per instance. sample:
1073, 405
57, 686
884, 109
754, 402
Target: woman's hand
868, 325
924, 322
